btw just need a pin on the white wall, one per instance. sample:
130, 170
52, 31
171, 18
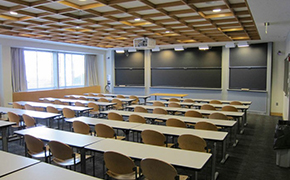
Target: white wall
286, 99
6, 42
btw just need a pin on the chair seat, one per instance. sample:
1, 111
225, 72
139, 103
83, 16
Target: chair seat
70, 162
41, 154
123, 176
120, 137
181, 177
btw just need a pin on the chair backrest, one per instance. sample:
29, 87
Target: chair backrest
174, 104
52, 109
17, 106
28, 120
82, 98
189, 100
140, 109
236, 103
13, 117
193, 113
153, 137
119, 104
91, 94
33, 144
58, 102
205, 126
120, 96
81, 127
100, 95
80, 104
174, 100
155, 169
60, 150
68, 113
175, 123
46, 100
94, 106
207, 107
29, 107
229, 108
158, 103
118, 163
218, 115
215, 102
192, 142
103, 130
159, 111
136, 101
71, 97
115, 116
137, 118
103, 100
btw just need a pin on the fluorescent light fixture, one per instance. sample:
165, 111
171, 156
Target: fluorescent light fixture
167, 31
216, 10
13, 13
132, 50
230, 45
120, 51
179, 48
137, 19
243, 44
203, 47
156, 49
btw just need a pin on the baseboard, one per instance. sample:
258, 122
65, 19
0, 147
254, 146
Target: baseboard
276, 114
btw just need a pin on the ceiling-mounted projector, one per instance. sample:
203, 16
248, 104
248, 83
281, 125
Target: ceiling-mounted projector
144, 43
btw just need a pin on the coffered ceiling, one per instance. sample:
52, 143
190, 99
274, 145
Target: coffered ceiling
115, 23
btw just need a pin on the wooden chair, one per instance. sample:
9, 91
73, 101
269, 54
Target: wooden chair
103, 100
174, 104
174, 100
189, 100
12, 117
52, 109
140, 109
136, 101
83, 98
159, 111
120, 96
58, 102
236, 103
101, 95
208, 107
137, 118
28, 121
120, 166
80, 104
81, 128
155, 169
36, 148
96, 109
205, 126
68, 113
215, 102
103, 130
193, 113
192, 142
46, 100
63, 155
72, 97
118, 105
154, 138
158, 103
29, 107
218, 115
175, 123
17, 106
229, 108
115, 116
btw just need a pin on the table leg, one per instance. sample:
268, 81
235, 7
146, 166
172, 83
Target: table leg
4, 138
213, 167
235, 136
225, 156
83, 160
245, 116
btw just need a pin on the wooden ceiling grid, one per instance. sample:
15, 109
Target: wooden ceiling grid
113, 23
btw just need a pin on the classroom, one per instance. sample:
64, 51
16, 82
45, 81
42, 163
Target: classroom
227, 50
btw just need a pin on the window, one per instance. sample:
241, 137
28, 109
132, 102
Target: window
49, 70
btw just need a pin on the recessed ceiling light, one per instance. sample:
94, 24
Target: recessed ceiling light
120, 51
13, 13
216, 10
179, 48
137, 19
203, 47
167, 31
243, 44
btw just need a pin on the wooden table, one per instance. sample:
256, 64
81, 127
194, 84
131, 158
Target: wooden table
144, 97
208, 100
128, 113
148, 107
177, 157
35, 114
187, 104
11, 163
73, 139
4, 125
44, 171
124, 100
168, 94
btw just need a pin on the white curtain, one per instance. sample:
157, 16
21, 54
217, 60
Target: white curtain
91, 76
18, 73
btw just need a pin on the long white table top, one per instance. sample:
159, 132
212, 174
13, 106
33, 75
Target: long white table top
72, 101
11, 163
115, 95
70, 138
177, 157
128, 113
44, 171
6, 123
127, 100
208, 100
35, 114
174, 109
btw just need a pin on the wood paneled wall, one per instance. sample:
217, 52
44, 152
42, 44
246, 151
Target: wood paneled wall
57, 93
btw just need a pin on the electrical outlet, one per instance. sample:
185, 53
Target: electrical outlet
276, 103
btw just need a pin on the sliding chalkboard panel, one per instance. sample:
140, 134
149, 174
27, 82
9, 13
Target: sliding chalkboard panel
129, 69
188, 68
248, 67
